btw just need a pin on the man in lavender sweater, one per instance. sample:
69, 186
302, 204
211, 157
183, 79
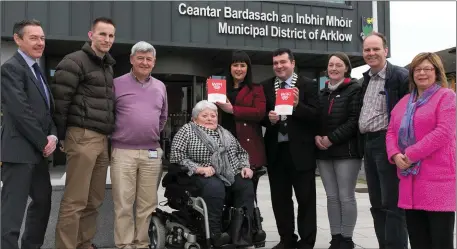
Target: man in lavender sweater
136, 166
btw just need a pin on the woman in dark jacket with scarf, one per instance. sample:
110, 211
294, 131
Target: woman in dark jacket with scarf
338, 159
244, 109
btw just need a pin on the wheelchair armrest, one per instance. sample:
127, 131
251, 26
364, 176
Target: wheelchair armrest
260, 172
177, 168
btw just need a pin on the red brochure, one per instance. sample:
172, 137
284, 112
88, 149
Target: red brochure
217, 90
284, 101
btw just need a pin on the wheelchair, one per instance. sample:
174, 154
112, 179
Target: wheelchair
187, 226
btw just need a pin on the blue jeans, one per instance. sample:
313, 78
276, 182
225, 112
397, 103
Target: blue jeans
388, 218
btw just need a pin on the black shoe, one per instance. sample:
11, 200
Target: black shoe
303, 245
283, 245
346, 243
335, 242
221, 239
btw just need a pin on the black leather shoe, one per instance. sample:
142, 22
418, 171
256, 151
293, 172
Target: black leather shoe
221, 239
335, 242
282, 245
303, 245
346, 243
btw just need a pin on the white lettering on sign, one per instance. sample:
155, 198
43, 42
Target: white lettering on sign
335, 36
250, 15
198, 11
338, 22
272, 20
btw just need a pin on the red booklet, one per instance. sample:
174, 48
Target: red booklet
284, 101
217, 91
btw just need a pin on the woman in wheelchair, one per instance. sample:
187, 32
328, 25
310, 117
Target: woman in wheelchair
218, 163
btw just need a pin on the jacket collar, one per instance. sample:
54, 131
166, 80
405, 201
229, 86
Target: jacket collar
107, 59
346, 82
389, 66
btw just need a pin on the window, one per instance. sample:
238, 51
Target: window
314, 2
322, 79
333, 1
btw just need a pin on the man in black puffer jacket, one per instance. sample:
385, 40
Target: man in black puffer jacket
84, 116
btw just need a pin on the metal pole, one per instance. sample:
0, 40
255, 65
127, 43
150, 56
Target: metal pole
374, 6
194, 94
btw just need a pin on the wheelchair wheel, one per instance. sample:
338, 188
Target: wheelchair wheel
191, 246
157, 233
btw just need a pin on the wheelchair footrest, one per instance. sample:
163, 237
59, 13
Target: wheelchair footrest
259, 244
259, 236
228, 246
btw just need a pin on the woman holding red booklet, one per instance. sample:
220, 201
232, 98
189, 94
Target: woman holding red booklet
244, 109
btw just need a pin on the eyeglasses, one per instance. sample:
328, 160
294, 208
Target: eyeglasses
426, 70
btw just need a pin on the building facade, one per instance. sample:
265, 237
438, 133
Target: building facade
194, 39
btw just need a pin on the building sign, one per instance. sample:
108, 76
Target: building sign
273, 20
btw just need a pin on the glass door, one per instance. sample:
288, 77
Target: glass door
180, 104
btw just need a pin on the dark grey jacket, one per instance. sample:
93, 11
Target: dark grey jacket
27, 119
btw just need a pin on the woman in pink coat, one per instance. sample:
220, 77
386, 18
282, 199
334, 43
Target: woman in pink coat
421, 141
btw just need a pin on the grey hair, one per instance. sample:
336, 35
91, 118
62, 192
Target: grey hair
202, 105
144, 47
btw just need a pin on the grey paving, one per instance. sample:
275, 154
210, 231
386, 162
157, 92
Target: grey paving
364, 235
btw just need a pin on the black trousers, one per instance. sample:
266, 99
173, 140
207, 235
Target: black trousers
19, 182
213, 191
283, 177
382, 181
430, 230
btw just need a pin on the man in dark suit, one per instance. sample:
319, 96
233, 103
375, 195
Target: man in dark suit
290, 149
28, 138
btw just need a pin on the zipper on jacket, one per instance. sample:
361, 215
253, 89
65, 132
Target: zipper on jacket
350, 148
330, 105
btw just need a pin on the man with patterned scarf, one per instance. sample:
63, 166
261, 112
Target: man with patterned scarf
290, 150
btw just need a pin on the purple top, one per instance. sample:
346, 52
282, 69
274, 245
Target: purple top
141, 112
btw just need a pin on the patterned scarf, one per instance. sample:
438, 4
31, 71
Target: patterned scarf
406, 136
219, 157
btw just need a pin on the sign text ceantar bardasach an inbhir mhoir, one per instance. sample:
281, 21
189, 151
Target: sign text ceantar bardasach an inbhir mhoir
272, 30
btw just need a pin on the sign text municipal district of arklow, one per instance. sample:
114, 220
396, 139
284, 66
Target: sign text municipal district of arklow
273, 17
